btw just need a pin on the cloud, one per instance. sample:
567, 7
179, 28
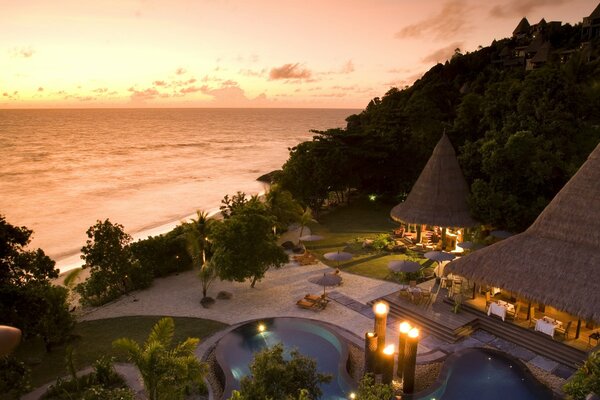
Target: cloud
290, 71
180, 71
100, 90
159, 83
521, 8
403, 82
138, 96
443, 54
451, 20
40, 89
231, 95
22, 52
191, 89
253, 73
347, 68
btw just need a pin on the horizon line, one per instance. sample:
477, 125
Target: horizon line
177, 108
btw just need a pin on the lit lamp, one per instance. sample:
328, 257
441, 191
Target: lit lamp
387, 364
381, 310
402, 337
410, 360
370, 352
10, 338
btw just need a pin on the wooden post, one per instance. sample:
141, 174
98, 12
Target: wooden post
402, 337
418, 233
380, 310
443, 239
578, 328
410, 361
387, 364
370, 352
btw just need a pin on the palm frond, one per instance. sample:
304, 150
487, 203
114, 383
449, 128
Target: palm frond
72, 277
162, 332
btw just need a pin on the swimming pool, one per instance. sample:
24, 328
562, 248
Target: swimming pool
236, 349
480, 373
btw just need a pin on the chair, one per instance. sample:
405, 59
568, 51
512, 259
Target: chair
564, 331
488, 299
417, 297
515, 315
404, 292
426, 297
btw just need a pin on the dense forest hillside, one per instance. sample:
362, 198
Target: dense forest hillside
523, 114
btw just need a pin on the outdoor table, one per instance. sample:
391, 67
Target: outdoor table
547, 325
509, 307
497, 309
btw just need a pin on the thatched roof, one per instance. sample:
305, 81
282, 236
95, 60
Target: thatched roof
596, 13
522, 28
543, 53
556, 261
439, 196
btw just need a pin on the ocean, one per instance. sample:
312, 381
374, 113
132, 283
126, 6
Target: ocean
147, 169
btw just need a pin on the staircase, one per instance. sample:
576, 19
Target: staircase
535, 341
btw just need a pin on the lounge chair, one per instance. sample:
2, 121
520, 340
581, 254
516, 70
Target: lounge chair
309, 305
315, 298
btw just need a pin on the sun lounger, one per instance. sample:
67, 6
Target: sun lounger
311, 305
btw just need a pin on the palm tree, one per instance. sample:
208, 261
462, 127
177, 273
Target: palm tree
167, 371
197, 245
305, 219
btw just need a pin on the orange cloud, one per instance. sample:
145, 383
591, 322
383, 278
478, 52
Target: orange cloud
289, 71
443, 54
521, 8
180, 71
347, 68
24, 52
451, 20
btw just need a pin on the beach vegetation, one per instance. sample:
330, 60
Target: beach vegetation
542, 123
169, 371
14, 378
284, 208
28, 300
586, 379
102, 383
114, 270
368, 389
244, 244
275, 376
93, 339
198, 248
164, 254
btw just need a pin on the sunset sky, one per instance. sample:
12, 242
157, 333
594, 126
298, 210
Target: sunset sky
241, 53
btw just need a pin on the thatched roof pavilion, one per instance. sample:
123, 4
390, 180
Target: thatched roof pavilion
556, 261
439, 196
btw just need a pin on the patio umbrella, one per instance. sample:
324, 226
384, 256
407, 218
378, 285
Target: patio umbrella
501, 234
310, 238
440, 257
332, 279
404, 266
338, 256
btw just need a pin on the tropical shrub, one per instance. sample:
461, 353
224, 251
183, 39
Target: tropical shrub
163, 254
169, 371
14, 378
274, 377
586, 380
114, 270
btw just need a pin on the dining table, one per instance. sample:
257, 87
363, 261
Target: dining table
547, 325
500, 308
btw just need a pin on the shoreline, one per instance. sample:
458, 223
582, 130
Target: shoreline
72, 260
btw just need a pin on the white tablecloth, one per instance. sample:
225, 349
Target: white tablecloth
509, 307
545, 327
498, 310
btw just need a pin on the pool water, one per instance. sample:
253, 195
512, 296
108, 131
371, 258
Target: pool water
486, 374
236, 349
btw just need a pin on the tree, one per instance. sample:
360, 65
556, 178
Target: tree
282, 206
273, 377
369, 390
14, 378
168, 371
586, 380
198, 247
28, 300
244, 245
305, 219
114, 270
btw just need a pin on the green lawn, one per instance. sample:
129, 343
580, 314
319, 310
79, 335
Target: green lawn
346, 227
93, 339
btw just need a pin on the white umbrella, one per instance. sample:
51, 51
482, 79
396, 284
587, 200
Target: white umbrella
332, 279
338, 256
